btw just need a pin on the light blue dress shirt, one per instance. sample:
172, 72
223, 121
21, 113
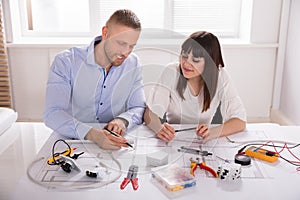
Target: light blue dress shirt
79, 92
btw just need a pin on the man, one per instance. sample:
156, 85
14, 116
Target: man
99, 83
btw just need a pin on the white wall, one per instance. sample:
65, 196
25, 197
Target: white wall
251, 65
251, 68
290, 95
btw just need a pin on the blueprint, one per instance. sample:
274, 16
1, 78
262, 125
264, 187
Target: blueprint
111, 165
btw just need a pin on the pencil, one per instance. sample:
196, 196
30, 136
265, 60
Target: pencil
117, 135
186, 129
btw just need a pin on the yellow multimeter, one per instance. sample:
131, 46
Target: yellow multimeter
262, 154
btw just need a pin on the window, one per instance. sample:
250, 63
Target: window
217, 16
58, 16
84, 18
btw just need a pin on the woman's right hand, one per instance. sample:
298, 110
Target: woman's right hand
166, 132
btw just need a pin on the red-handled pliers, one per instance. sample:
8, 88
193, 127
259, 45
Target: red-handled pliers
131, 176
203, 166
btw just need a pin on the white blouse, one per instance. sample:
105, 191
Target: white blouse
163, 98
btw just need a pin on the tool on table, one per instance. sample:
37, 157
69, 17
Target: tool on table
194, 151
263, 154
229, 140
56, 156
98, 172
64, 159
117, 135
224, 159
202, 165
185, 129
229, 171
131, 176
67, 164
242, 159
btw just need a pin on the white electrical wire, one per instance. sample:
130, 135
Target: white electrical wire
240, 143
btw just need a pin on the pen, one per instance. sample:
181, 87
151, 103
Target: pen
117, 135
186, 129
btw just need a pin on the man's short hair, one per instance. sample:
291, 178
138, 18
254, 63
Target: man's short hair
125, 17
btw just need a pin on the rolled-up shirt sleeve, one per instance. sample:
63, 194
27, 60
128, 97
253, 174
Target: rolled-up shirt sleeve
158, 99
80, 92
231, 103
136, 100
58, 95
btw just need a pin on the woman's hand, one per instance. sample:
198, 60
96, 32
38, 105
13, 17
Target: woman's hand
202, 130
166, 133
207, 133
231, 126
210, 133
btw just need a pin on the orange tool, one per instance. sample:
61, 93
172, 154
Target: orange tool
202, 165
262, 154
56, 156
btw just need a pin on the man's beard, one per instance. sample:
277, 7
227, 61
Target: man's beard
110, 58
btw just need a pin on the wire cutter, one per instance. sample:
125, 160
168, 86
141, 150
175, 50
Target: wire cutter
202, 165
131, 176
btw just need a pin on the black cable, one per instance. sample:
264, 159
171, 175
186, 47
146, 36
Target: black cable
289, 161
269, 145
76, 155
56, 154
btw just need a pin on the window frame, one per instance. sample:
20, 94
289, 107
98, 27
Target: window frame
25, 32
19, 30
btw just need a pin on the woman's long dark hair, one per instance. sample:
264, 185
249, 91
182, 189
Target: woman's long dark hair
205, 45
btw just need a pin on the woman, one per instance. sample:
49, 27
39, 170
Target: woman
189, 92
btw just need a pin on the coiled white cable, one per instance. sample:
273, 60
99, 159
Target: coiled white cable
60, 187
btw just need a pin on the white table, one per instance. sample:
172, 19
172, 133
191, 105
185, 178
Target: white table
278, 180
19, 146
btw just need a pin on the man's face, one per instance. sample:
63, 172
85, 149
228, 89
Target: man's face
119, 41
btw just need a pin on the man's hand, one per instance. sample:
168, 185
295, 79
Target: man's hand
166, 133
105, 140
117, 125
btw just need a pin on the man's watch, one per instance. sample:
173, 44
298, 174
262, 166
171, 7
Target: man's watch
124, 120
